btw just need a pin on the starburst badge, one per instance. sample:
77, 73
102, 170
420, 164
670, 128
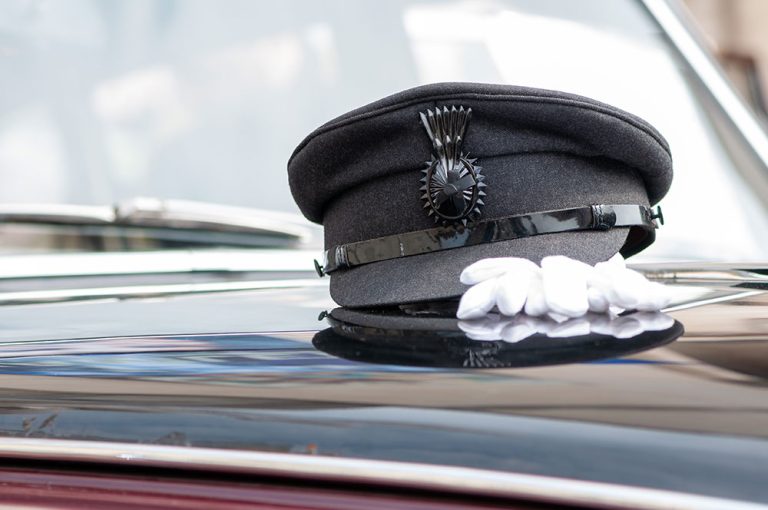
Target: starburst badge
452, 184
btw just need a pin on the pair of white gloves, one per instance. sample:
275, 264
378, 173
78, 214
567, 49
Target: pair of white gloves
562, 288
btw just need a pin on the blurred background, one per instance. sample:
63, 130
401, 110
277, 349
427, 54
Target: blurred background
106, 100
735, 31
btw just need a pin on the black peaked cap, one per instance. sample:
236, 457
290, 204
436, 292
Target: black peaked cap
540, 150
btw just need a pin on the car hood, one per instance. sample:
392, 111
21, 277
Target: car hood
250, 370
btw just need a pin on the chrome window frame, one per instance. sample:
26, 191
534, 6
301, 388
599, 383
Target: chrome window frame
685, 38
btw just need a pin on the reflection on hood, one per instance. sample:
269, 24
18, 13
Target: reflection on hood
433, 338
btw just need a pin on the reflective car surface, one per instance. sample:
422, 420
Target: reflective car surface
266, 371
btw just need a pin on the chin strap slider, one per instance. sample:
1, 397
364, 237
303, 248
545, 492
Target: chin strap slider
658, 215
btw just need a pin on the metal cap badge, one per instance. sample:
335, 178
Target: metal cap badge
452, 184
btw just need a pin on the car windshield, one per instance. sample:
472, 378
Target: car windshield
105, 101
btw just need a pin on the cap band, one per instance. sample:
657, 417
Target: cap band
593, 217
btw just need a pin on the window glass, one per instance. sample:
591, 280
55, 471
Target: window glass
107, 100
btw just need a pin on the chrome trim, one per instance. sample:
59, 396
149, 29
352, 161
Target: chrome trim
344, 470
155, 262
683, 36
56, 213
712, 301
163, 213
275, 260
147, 291
705, 272
184, 214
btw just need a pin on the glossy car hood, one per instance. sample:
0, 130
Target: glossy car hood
240, 370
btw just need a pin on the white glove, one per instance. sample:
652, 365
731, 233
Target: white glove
561, 285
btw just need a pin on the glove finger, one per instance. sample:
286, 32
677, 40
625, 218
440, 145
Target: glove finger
491, 268
512, 290
655, 296
565, 285
625, 288
478, 300
597, 300
535, 303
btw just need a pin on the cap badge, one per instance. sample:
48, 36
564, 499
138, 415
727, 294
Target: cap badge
452, 184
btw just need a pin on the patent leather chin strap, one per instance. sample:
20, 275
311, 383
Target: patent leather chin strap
593, 217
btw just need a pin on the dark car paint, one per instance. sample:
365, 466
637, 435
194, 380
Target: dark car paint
239, 370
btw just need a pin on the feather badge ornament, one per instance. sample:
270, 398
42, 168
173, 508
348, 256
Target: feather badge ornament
452, 184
